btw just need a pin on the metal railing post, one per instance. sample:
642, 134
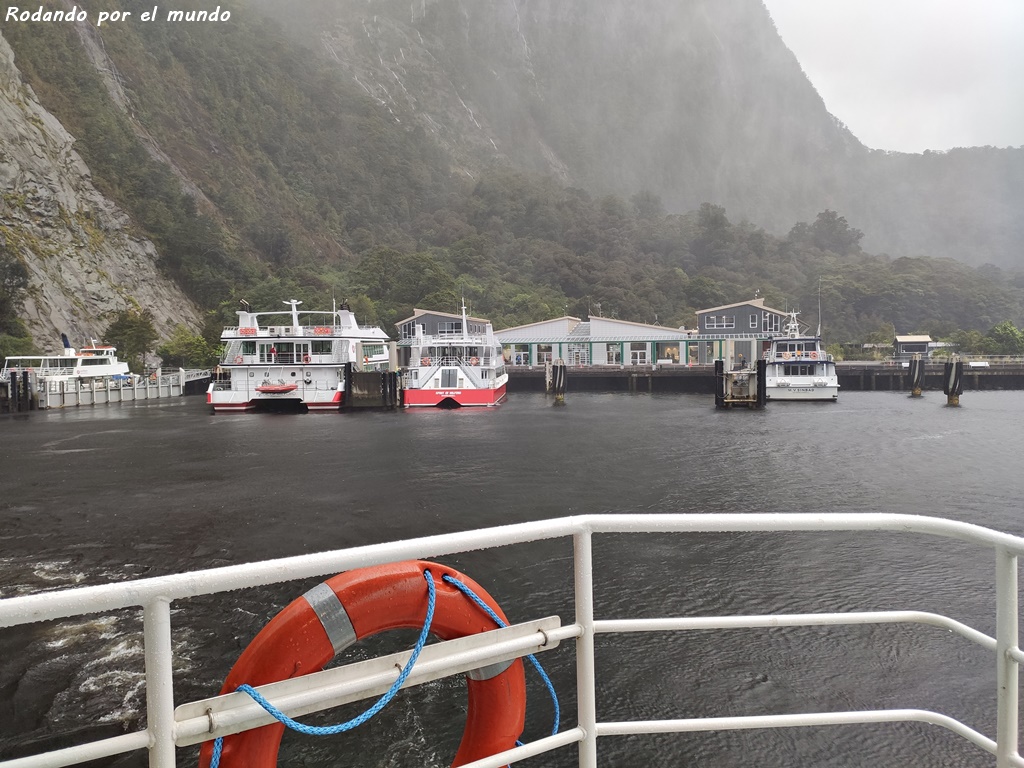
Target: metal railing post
159, 683
1007, 680
585, 672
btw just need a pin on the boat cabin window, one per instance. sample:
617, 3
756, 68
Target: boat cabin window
283, 352
95, 361
373, 350
248, 347
798, 370
320, 346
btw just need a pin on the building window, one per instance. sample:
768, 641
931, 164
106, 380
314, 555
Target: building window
770, 323
720, 321
753, 321
449, 328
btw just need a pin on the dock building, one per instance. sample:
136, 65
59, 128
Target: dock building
733, 333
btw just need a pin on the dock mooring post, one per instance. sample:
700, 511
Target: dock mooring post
953, 381
559, 374
916, 375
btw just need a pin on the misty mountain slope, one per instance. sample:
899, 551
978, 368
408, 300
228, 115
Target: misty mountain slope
83, 257
693, 100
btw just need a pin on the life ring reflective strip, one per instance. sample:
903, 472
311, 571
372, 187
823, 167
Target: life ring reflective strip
306, 358
312, 629
239, 359
474, 361
425, 361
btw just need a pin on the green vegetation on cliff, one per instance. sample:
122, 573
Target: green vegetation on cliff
300, 185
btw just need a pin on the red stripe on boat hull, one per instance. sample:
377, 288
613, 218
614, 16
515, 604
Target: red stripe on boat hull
413, 398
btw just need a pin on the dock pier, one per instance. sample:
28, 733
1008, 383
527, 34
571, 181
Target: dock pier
854, 376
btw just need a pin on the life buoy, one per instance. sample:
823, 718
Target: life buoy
306, 359
474, 361
785, 355
814, 355
239, 359
312, 629
425, 362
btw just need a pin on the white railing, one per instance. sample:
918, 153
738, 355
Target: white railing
155, 596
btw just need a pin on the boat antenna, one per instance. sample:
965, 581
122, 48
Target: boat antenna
818, 334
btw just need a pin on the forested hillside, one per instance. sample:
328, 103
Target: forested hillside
693, 100
263, 170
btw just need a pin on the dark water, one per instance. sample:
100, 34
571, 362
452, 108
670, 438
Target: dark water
136, 490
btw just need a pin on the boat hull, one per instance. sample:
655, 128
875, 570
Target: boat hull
798, 393
428, 398
241, 401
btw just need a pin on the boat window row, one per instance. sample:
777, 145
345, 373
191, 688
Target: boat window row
796, 346
798, 370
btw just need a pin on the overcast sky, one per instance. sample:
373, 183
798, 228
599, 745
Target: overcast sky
911, 75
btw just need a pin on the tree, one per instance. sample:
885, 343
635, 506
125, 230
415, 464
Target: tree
186, 349
133, 334
13, 285
830, 232
1007, 339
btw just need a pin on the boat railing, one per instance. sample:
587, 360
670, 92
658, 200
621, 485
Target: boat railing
169, 728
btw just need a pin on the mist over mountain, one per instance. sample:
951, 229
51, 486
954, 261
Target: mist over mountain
536, 157
693, 101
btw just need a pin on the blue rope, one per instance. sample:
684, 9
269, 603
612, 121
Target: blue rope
329, 730
497, 620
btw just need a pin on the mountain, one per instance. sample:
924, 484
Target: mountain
81, 252
692, 100
535, 156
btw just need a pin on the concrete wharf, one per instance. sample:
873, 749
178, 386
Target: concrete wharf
854, 376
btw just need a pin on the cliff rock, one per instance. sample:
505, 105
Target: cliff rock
83, 258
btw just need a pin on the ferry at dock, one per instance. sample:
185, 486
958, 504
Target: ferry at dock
293, 360
799, 368
450, 360
88, 364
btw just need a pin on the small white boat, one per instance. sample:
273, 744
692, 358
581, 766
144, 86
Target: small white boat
458, 364
85, 365
293, 358
799, 368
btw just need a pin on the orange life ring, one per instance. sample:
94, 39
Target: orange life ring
474, 361
425, 362
239, 359
306, 359
355, 605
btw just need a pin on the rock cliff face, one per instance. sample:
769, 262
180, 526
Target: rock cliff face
83, 260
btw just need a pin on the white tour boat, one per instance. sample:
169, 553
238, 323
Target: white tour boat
85, 365
799, 368
459, 364
293, 359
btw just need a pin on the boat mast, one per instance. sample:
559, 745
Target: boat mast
295, 312
818, 334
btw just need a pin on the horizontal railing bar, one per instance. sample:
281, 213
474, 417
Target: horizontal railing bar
93, 750
51, 605
634, 727
795, 620
531, 749
236, 712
